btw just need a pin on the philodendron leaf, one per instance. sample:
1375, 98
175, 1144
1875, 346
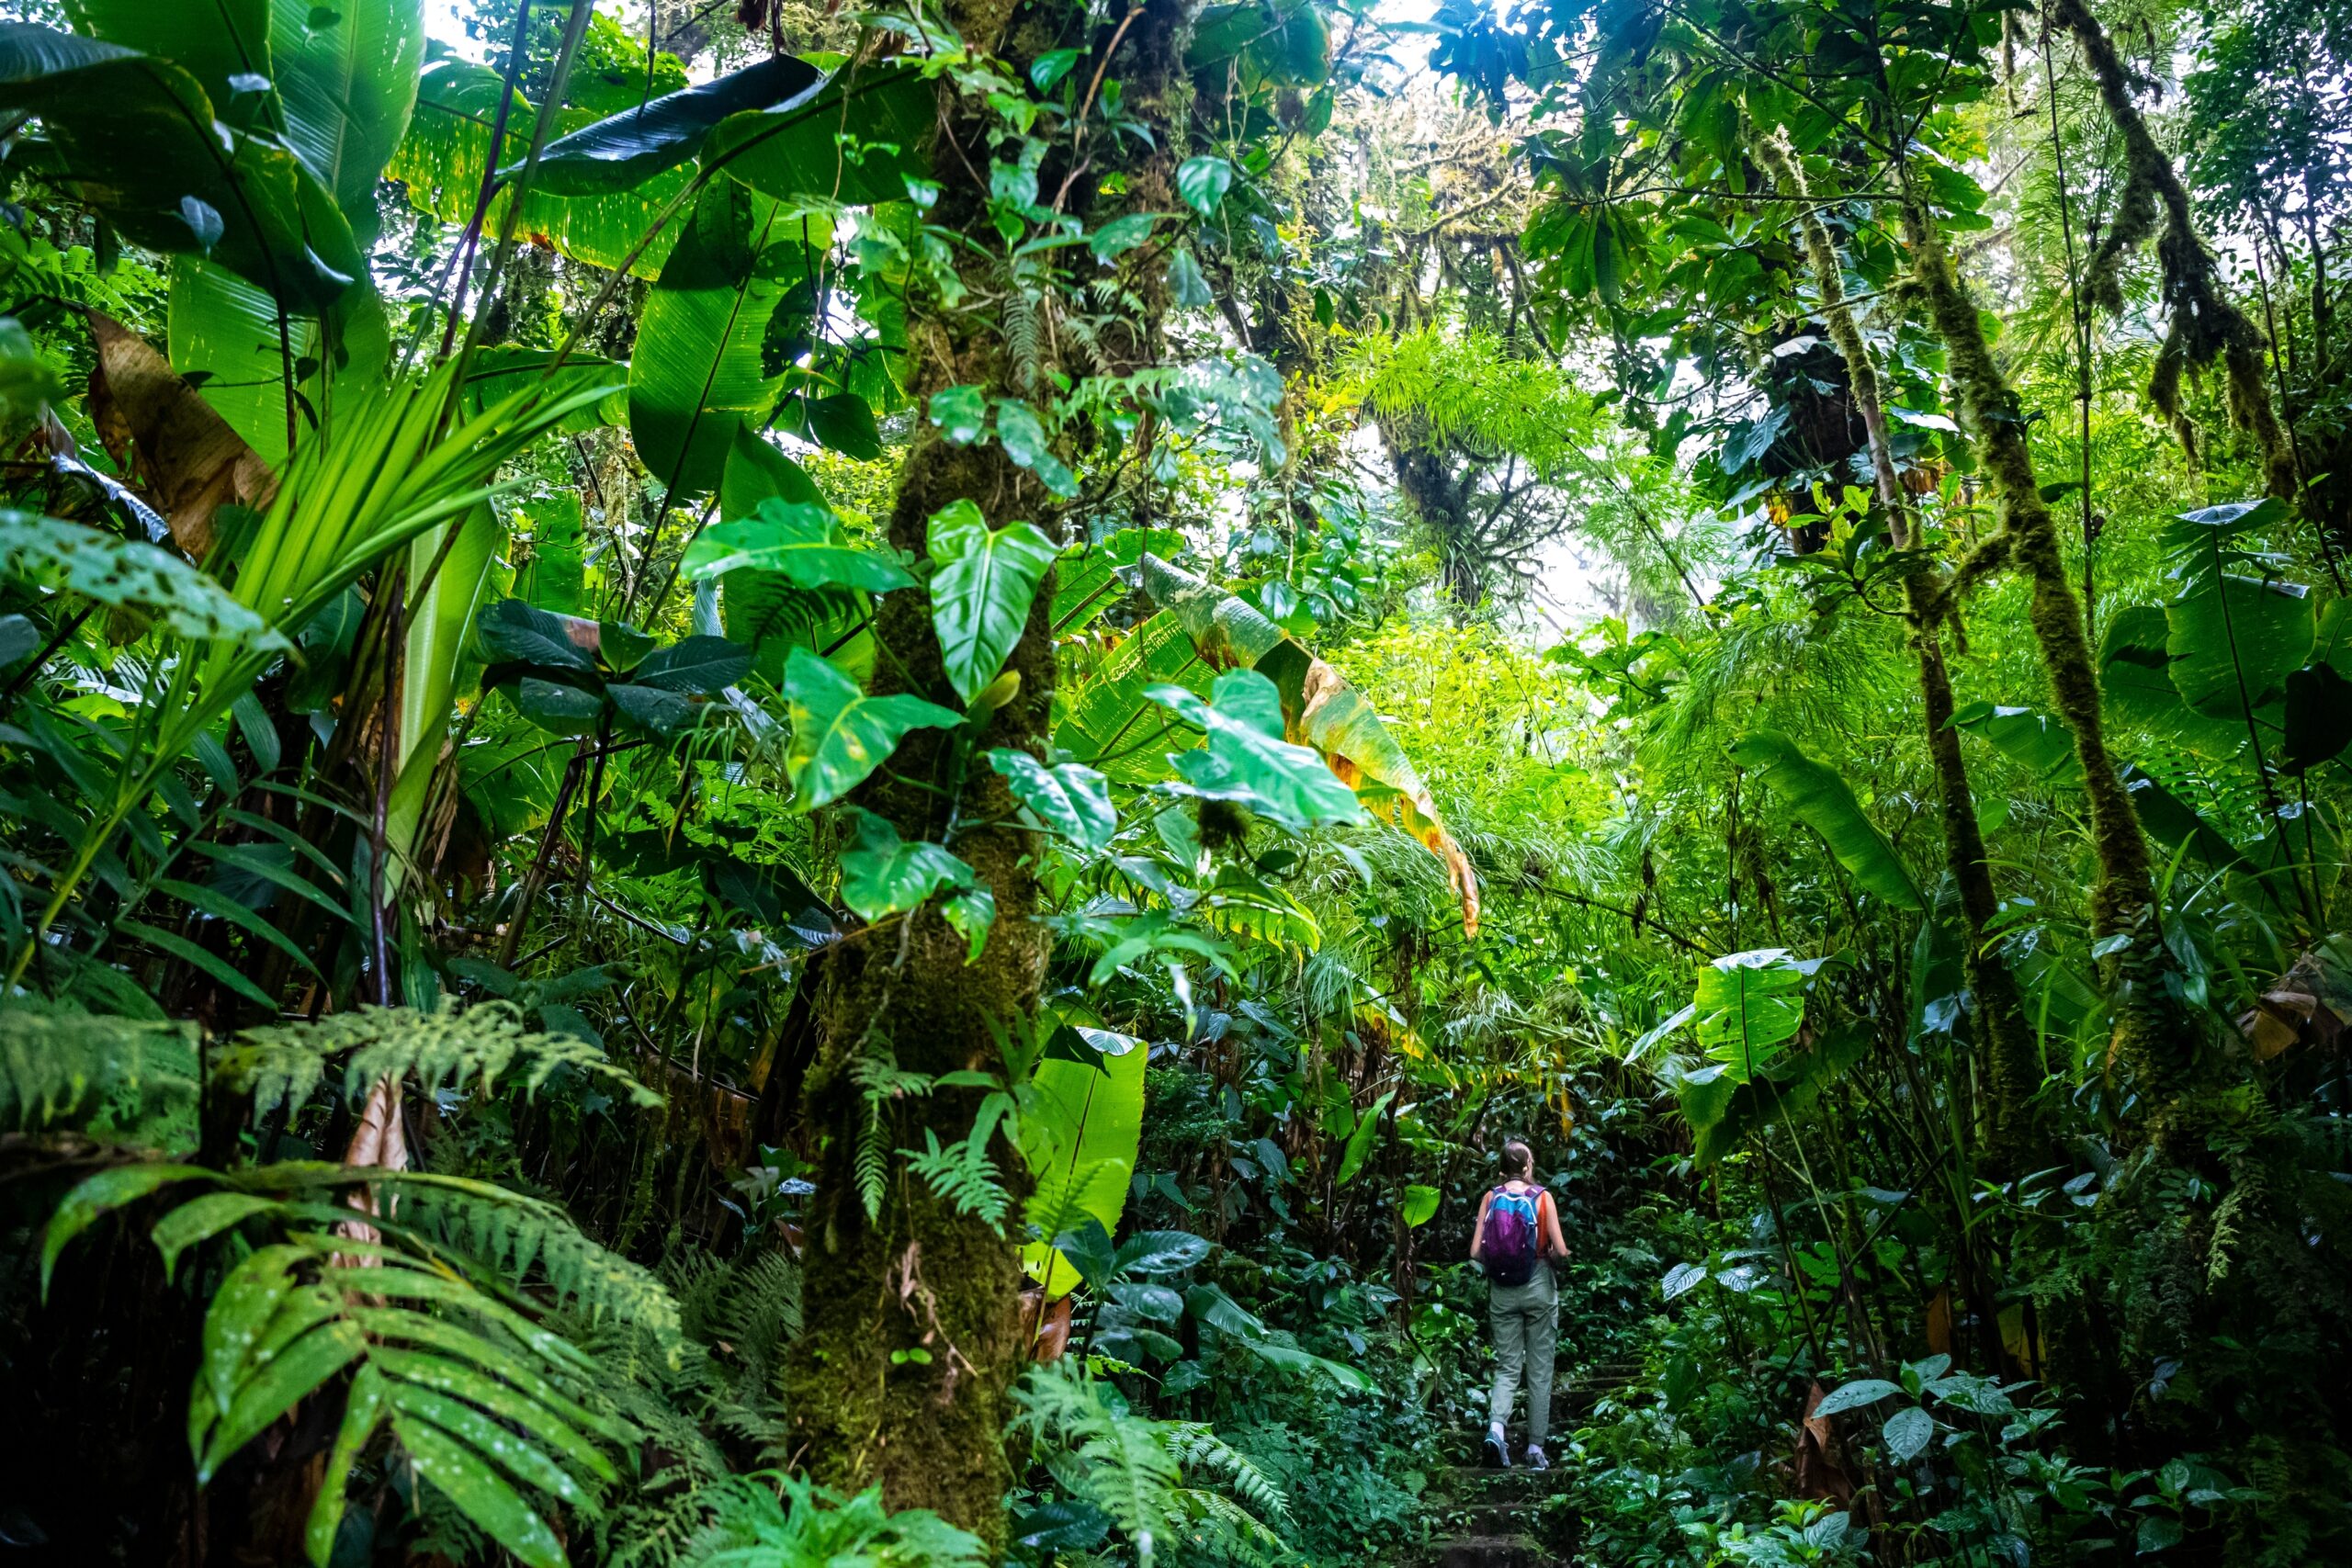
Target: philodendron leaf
839, 734
1750, 1005
883, 875
1420, 1205
981, 595
1072, 800
1202, 182
803, 542
1247, 760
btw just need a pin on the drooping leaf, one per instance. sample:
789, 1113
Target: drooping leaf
981, 595
136, 138
854, 141
2235, 639
1247, 760
883, 875
131, 574
803, 541
189, 460
1822, 802
839, 734
624, 150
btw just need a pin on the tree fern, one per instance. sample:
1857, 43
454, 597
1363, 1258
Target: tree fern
483, 1399
69, 1068
283, 1064
774, 1520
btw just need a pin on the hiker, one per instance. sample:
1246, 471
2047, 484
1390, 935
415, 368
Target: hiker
1516, 1242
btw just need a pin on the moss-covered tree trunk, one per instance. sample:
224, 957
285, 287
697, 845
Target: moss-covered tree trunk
2123, 902
912, 1333
2012, 1063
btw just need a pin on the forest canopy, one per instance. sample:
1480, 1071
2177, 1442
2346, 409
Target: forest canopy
790, 784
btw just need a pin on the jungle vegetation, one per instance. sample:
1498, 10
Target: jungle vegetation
789, 785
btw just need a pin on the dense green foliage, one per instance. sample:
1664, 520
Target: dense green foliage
787, 786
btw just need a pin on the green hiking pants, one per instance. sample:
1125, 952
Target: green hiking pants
1526, 1320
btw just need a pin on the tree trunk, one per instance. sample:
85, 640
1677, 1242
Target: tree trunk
2013, 1063
913, 1335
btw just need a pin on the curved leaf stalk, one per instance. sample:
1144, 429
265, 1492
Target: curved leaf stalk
2013, 1061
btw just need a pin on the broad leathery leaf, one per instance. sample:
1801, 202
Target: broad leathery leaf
108, 1189
1089, 581
961, 415
756, 471
271, 1390
556, 709
211, 42
1160, 1252
1079, 1137
200, 1219
981, 595
1854, 1395
1682, 1278
442, 161
854, 141
697, 375
1750, 1005
511, 631
346, 89
970, 912
521, 1458
1821, 800
1071, 799
436, 639
363, 1412
2173, 822
222, 329
1420, 1205
839, 734
884, 874
698, 666
465, 1478
130, 574
1247, 761
2234, 642
2029, 737
804, 541
2135, 675
624, 150
1725, 1112
1359, 1141
137, 134
1202, 182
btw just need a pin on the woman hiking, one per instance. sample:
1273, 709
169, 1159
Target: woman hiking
1516, 1242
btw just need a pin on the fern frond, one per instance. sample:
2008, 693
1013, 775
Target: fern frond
283, 1064
963, 1174
510, 1231
1201, 1449
870, 1165
69, 1067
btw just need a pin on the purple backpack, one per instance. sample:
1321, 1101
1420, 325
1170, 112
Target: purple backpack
1509, 1250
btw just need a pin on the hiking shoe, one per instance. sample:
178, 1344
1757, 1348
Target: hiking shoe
1498, 1452
1535, 1460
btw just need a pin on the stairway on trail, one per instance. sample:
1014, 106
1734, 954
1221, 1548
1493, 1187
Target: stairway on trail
1482, 1517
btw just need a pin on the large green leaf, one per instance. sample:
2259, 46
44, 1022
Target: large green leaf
2135, 674
1247, 760
853, 141
839, 734
1821, 800
1111, 724
223, 335
884, 874
438, 626
1072, 799
1079, 1134
2034, 739
442, 160
981, 595
1089, 581
1725, 1112
624, 150
137, 141
697, 375
2235, 639
347, 77
129, 574
803, 542
1750, 1005
210, 40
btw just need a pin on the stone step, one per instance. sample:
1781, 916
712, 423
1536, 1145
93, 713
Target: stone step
1490, 1551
